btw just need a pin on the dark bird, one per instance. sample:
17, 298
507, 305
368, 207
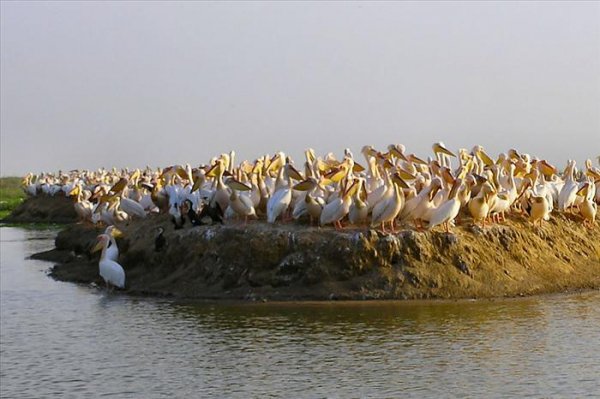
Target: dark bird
213, 211
191, 214
176, 216
160, 242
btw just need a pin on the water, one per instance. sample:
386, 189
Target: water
65, 340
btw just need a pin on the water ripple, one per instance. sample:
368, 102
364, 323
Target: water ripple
64, 340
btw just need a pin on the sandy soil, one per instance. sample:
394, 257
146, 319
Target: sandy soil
298, 262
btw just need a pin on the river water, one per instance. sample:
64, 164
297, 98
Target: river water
66, 340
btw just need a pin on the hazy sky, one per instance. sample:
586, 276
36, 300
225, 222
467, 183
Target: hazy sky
88, 84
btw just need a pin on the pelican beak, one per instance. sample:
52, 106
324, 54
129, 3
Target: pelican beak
197, 184
99, 245
394, 151
582, 192
415, 159
406, 175
136, 175
119, 186
485, 158
398, 180
336, 175
447, 176
357, 168
351, 190
116, 232
547, 169
275, 161
294, 174
304, 185
387, 164
433, 192
214, 170
438, 148
514, 154
238, 185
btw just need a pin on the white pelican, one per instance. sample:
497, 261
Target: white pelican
479, 206
110, 271
499, 205
281, 199
568, 193
447, 211
414, 208
241, 204
387, 209
221, 193
112, 250
83, 207
338, 208
311, 203
443, 154
540, 210
588, 207
537, 205
359, 209
131, 207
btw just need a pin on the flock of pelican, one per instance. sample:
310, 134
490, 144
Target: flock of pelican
392, 188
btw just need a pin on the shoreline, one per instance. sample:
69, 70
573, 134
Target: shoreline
294, 262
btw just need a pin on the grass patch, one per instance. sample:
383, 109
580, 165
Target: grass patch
11, 195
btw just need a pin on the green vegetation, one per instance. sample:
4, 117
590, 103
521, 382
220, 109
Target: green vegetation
11, 195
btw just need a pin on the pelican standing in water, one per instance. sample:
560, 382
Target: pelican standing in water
112, 272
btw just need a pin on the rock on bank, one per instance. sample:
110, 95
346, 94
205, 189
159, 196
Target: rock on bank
295, 262
43, 209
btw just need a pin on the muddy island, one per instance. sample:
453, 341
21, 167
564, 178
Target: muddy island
299, 262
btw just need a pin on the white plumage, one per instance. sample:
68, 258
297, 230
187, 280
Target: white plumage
110, 271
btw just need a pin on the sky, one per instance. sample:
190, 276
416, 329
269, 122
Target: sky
90, 84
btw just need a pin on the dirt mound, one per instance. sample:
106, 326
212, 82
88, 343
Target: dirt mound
44, 209
293, 262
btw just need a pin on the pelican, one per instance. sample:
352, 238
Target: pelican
540, 210
281, 199
132, 207
221, 193
387, 209
359, 209
568, 193
83, 207
443, 154
241, 204
110, 271
337, 209
311, 203
499, 205
418, 208
448, 210
479, 206
112, 250
588, 207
